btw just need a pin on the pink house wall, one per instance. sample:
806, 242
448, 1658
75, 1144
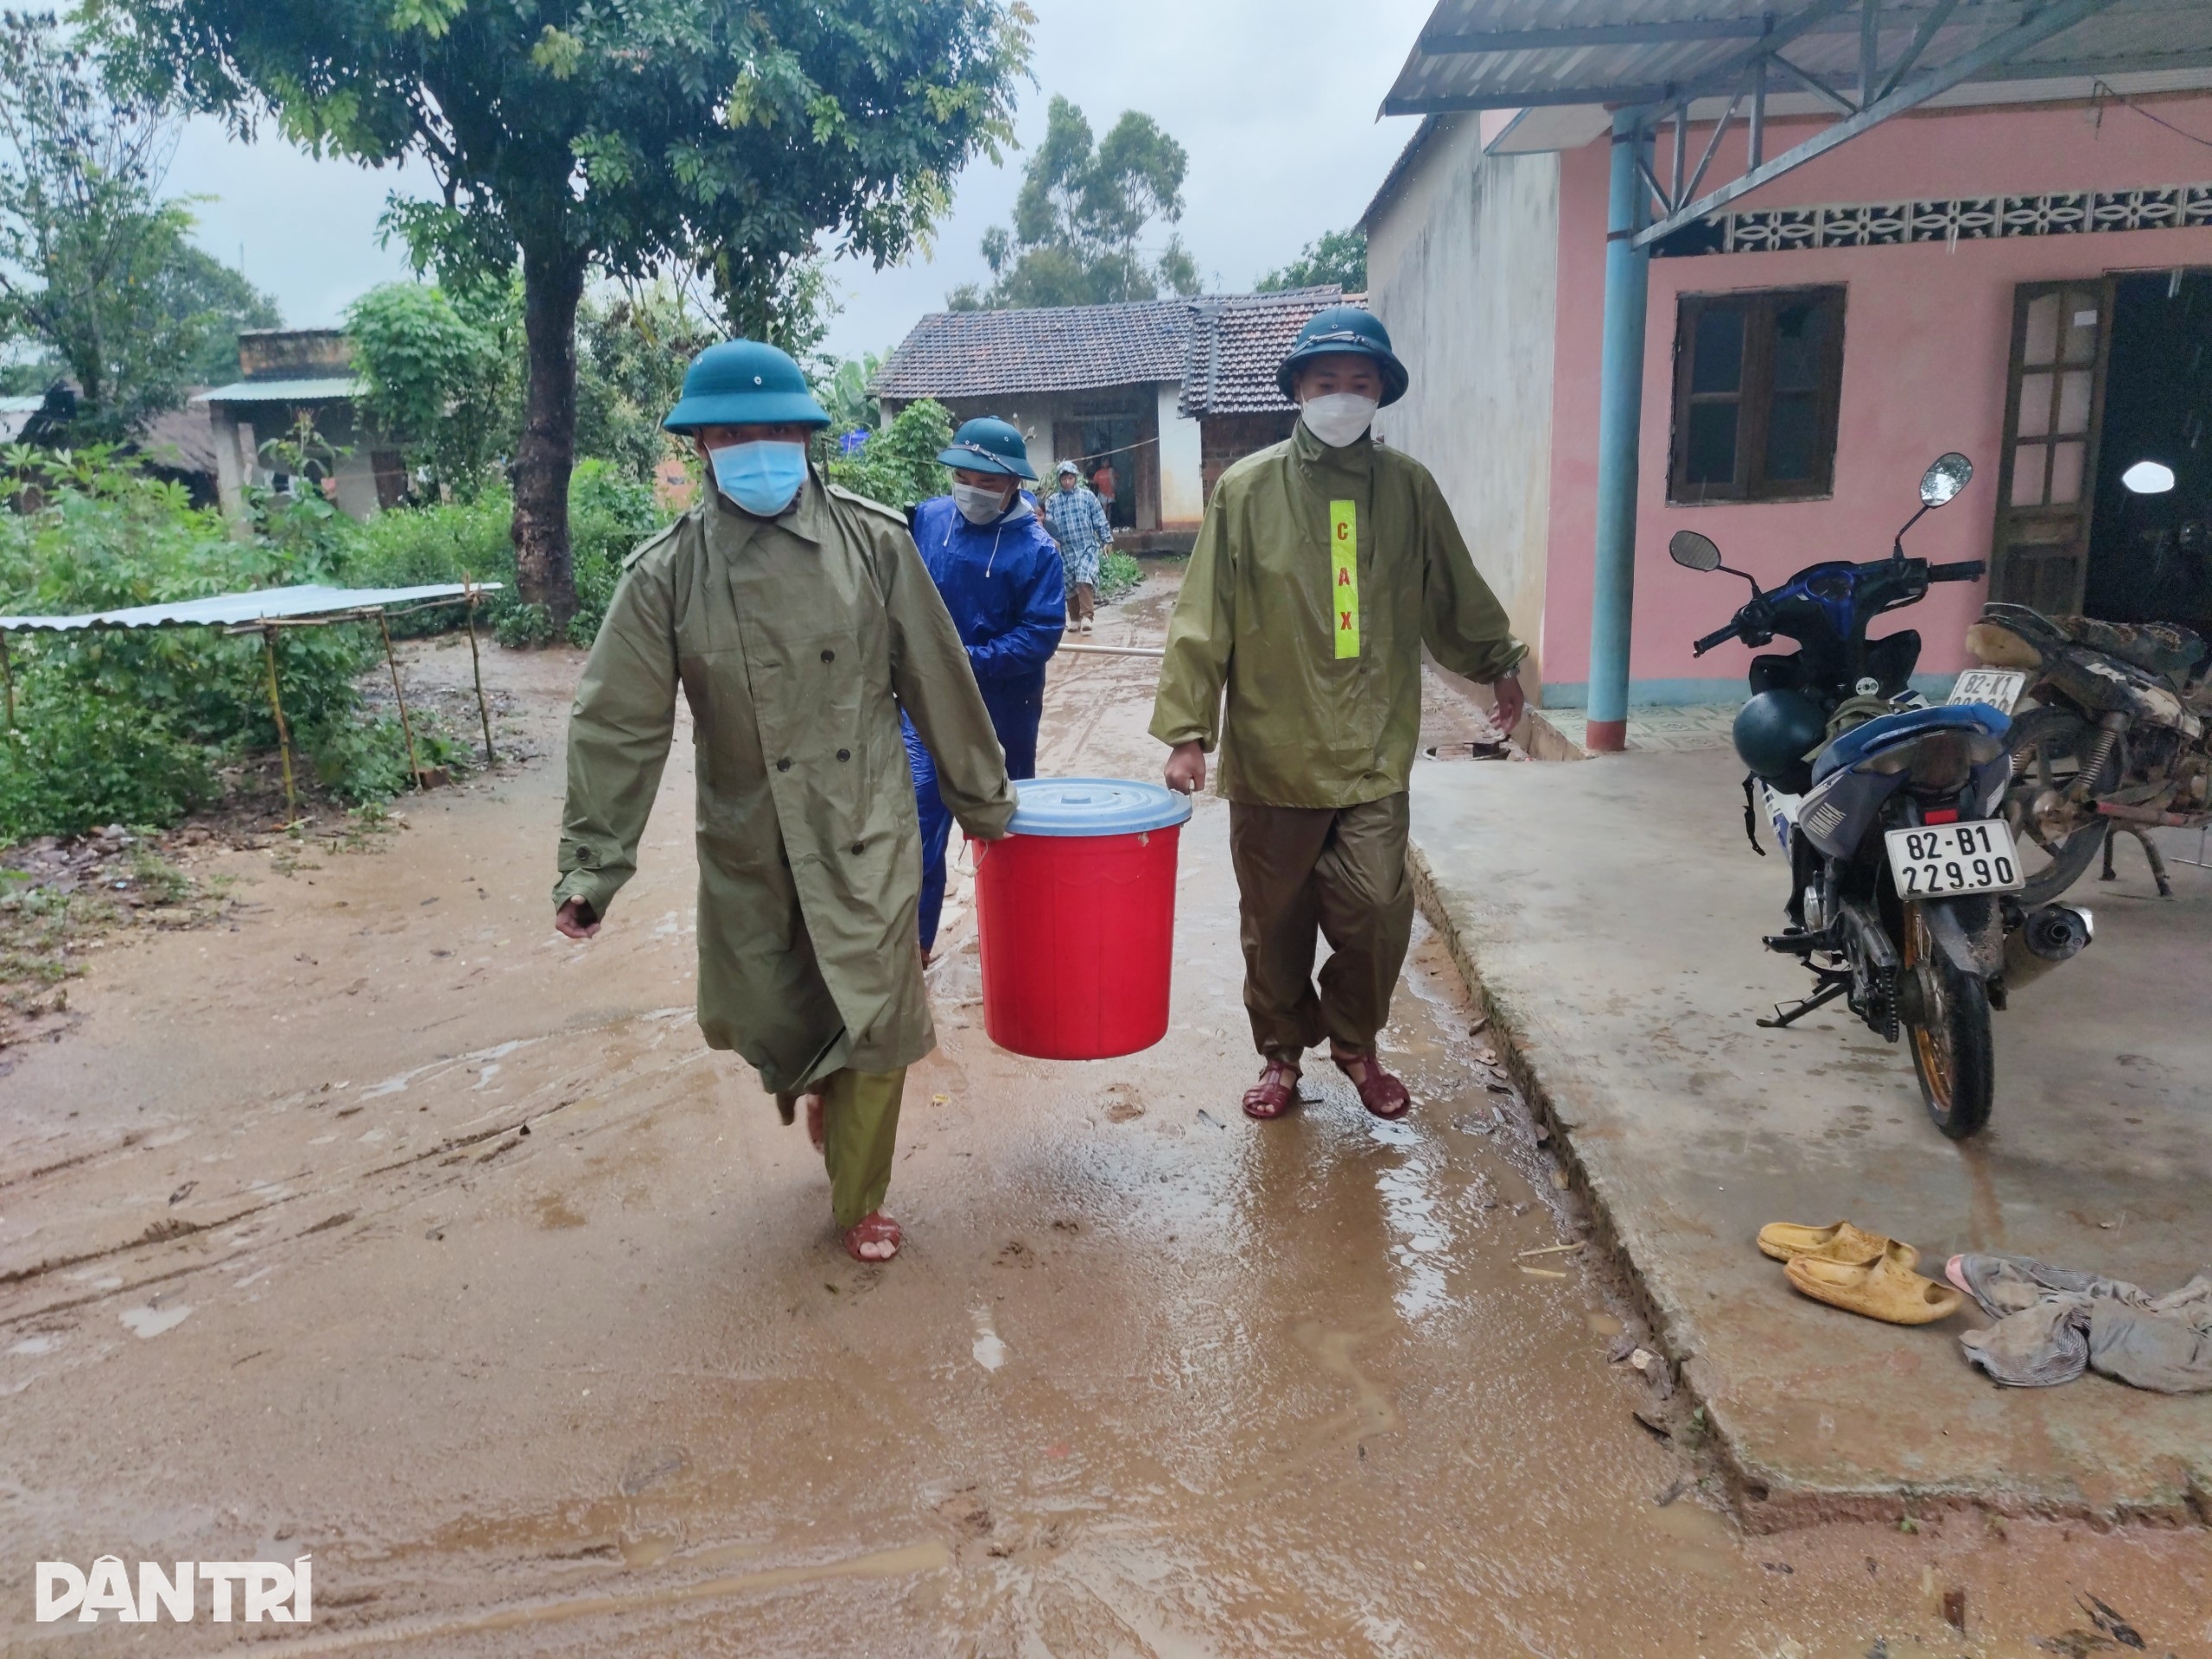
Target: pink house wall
1927, 338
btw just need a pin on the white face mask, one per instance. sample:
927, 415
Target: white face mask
1338, 418
978, 503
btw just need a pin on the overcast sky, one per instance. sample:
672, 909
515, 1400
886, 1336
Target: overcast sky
1274, 100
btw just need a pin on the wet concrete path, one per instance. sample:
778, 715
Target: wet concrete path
392, 1228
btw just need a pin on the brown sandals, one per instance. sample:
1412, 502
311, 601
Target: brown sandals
877, 1229
1380, 1092
1276, 1093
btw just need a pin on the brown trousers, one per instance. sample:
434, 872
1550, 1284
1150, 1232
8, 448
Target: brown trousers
1083, 601
1341, 870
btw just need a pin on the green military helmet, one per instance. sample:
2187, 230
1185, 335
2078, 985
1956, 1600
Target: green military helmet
744, 382
1344, 328
989, 445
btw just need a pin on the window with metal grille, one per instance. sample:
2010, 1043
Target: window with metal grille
1758, 376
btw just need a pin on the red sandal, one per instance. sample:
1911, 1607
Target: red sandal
874, 1228
1380, 1092
1276, 1093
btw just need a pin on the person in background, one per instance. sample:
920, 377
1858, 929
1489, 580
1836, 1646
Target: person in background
1000, 576
1324, 564
1102, 486
802, 626
1079, 524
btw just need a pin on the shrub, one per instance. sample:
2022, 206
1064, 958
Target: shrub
447, 541
609, 513
898, 466
128, 725
525, 627
1118, 576
74, 763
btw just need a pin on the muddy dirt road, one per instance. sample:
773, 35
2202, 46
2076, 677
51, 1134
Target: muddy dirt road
391, 1227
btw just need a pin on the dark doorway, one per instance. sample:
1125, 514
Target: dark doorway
2151, 555
1109, 444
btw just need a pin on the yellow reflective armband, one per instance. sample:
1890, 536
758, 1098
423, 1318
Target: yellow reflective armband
1344, 575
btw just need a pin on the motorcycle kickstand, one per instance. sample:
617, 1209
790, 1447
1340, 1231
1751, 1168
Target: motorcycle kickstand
2150, 856
1832, 987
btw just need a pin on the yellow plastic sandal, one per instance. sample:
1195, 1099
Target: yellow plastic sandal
1839, 1241
1886, 1288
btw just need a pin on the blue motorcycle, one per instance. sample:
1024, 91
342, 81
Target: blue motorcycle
1889, 811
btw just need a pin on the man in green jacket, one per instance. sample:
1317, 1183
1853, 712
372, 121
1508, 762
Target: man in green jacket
799, 621
1323, 565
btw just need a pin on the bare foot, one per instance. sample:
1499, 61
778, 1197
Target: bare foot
874, 1238
814, 1120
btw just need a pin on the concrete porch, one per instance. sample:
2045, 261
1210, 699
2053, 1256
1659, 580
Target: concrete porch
1613, 914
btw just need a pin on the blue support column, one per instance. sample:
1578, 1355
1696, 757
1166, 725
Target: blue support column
1620, 413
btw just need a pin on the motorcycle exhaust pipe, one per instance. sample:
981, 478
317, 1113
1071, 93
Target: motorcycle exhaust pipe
2045, 938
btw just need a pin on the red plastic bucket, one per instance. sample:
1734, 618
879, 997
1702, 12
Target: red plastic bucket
1075, 916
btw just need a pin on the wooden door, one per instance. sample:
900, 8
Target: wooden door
2054, 409
1067, 445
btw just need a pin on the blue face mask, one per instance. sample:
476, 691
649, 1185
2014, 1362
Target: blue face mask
763, 478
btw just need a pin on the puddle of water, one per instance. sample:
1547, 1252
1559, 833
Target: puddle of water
153, 1322
988, 1349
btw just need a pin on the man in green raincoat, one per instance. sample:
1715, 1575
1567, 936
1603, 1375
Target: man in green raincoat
799, 621
1323, 565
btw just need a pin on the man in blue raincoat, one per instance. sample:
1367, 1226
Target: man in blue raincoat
1000, 575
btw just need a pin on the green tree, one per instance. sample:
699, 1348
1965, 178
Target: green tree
1083, 209
840, 387
441, 372
1338, 257
729, 139
633, 346
87, 247
898, 465
199, 292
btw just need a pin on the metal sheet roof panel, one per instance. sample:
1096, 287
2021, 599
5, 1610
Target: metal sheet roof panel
320, 389
264, 604
1634, 51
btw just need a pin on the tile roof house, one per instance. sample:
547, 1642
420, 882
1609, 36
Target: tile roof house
1159, 395
1229, 384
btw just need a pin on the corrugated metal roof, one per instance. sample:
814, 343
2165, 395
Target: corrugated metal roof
266, 604
1058, 348
1519, 53
320, 390
1239, 341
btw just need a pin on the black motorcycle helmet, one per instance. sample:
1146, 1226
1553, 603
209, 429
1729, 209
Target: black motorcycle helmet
1774, 731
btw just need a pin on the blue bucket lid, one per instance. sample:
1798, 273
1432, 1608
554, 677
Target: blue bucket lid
1094, 806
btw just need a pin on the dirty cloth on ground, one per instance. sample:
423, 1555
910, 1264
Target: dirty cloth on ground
2052, 1323
797, 642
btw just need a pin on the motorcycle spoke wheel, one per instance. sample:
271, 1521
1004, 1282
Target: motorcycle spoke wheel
2048, 747
1953, 1053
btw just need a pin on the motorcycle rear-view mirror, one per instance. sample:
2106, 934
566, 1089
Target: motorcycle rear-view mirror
2148, 478
1945, 476
1693, 551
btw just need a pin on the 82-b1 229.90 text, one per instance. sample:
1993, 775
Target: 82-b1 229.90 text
1933, 859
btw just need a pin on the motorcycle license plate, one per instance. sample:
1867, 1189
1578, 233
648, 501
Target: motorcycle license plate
1935, 860
1998, 687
